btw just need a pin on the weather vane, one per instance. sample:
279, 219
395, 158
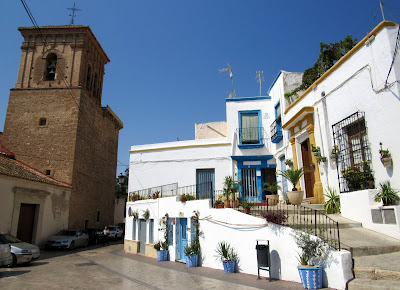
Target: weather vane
229, 69
73, 9
260, 78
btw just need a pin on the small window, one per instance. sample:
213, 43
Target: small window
86, 224
48, 172
42, 122
89, 79
50, 69
98, 216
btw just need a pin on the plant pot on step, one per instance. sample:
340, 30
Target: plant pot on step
295, 197
227, 204
162, 255
311, 276
192, 260
234, 203
219, 205
247, 210
229, 266
272, 199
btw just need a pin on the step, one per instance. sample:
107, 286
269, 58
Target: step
376, 274
368, 284
363, 242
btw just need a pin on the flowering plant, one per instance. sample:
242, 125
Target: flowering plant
358, 176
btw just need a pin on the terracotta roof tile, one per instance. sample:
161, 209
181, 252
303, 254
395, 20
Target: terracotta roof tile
14, 168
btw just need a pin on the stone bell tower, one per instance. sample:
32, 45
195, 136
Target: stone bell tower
55, 121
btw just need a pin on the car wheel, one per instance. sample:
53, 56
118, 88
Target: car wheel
72, 245
14, 261
86, 243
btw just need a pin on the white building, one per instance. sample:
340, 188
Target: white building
352, 107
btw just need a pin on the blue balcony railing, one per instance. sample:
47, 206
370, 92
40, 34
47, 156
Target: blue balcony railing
276, 131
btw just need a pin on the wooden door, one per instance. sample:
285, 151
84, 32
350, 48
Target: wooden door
309, 174
26, 222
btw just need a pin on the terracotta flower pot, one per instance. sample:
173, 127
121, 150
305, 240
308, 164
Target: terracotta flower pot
295, 197
227, 204
272, 199
220, 205
246, 210
235, 204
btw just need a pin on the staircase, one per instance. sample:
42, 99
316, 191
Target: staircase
376, 257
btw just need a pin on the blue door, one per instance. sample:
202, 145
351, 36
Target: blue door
205, 179
183, 237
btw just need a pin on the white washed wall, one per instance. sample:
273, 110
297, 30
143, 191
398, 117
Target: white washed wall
177, 162
349, 89
242, 232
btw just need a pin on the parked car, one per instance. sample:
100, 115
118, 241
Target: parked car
96, 236
68, 239
22, 252
122, 226
115, 232
5, 252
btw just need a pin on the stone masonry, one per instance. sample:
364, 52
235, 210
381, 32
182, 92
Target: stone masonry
55, 122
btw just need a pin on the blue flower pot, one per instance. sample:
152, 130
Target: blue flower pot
191, 260
162, 255
229, 266
311, 277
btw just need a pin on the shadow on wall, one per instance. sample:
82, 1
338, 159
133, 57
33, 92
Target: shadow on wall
275, 269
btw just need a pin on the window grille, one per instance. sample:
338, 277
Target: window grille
249, 183
354, 153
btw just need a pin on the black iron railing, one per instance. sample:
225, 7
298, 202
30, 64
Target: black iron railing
301, 218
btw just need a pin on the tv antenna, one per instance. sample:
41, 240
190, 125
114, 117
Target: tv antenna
260, 78
229, 69
73, 9
381, 5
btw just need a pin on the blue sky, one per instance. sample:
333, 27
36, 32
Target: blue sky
165, 55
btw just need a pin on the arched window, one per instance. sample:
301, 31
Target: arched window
51, 65
95, 86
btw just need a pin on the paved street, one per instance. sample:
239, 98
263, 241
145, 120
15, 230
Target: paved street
98, 267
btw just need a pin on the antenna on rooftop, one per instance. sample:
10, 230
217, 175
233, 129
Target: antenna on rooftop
381, 5
229, 69
73, 13
260, 78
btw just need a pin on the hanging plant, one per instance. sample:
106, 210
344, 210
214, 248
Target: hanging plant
386, 157
289, 162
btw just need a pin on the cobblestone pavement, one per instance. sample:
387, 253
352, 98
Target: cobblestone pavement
98, 267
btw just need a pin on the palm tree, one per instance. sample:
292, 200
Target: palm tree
293, 175
271, 187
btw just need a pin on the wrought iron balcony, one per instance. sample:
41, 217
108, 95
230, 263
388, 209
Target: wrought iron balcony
251, 137
276, 131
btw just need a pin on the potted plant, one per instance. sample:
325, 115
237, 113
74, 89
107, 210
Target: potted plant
229, 190
246, 206
146, 214
227, 255
192, 250
311, 247
332, 205
289, 162
134, 197
134, 214
293, 175
219, 203
386, 193
272, 188
156, 194
162, 247
334, 153
277, 217
386, 157
186, 197
315, 150
359, 176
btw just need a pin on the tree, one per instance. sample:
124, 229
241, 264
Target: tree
329, 55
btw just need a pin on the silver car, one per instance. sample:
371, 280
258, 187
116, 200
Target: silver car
68, 239
115, 232
22, 252
5, 252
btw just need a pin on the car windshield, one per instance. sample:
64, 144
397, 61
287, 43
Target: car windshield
11, 239
112, 228
66, 233
3, 239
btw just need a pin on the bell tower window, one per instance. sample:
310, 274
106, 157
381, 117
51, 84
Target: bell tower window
89, 79
51, 65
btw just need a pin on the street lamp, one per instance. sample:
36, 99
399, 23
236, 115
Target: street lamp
121, 179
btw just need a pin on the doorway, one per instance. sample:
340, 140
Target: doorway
269, 176
309, 170
26, 222
181, 240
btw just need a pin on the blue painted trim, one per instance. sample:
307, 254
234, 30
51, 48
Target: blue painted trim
279, 136
251, 157
273, 83
248, 99
260, 135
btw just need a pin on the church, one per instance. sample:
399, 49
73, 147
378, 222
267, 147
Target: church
56, 124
